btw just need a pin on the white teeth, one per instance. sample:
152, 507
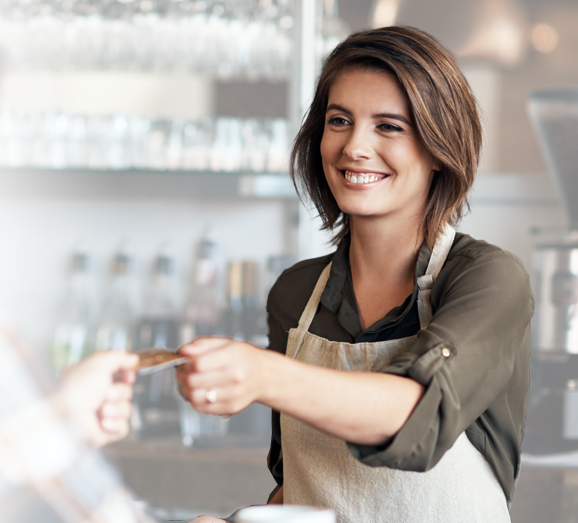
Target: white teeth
352, 178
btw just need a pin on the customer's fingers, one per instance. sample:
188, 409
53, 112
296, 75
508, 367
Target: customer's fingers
118, 392
115, 410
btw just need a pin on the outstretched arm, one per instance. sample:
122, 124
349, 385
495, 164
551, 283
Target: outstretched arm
344, 404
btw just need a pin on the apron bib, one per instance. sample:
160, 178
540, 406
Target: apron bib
320, 471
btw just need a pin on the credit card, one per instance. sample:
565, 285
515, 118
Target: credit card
155, 360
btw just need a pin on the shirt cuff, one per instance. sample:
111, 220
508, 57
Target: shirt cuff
414, 446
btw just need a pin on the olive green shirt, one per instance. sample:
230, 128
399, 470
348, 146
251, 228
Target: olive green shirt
481, 304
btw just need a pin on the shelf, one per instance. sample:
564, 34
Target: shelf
142, 183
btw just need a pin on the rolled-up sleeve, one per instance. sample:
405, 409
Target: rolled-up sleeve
472, 359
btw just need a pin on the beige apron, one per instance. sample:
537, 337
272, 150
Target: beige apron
319, 469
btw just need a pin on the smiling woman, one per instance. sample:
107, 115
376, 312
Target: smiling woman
434, 104
399, 365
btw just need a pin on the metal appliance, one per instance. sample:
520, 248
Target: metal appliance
552, 413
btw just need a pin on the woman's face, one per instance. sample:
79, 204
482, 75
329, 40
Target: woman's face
373, 159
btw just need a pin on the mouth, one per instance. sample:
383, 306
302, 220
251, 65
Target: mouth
363, 178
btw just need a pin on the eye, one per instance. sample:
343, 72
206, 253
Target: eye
390, 128
337, 121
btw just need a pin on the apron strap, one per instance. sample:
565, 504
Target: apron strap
438, 257
440, 251
313, 303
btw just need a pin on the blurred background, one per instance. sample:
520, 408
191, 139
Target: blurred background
144, 199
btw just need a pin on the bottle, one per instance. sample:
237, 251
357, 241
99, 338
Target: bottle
254, 314
71, 335
116, 326
253, 425
158, 327
232, 315
202, 308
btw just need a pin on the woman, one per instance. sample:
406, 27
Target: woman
399, 368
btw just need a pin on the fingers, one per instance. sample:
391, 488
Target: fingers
113, 417
114, 413
211, 379
115, 429
226, 367
125, 376
118, 392
113, 361
204, 344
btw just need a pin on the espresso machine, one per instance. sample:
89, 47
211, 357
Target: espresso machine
552, 412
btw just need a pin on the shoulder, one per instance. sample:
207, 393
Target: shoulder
477, 266
467, 252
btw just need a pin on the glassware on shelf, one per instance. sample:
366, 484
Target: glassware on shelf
61, 140
115, 330
72, 331
224, 39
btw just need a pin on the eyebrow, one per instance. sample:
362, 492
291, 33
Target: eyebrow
393, 116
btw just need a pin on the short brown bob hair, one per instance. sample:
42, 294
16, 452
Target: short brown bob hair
443, 108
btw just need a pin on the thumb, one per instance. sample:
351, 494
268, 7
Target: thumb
112, 360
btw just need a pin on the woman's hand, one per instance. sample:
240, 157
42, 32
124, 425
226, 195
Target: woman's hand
223, 376
207, 519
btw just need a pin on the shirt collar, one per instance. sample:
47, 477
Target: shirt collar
338, 293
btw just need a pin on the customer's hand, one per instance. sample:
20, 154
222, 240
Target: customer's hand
207, 519
95, 395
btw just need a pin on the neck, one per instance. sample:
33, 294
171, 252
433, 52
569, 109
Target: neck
384, 248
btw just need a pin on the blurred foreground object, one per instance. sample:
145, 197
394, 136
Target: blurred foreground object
47, 471
552, 415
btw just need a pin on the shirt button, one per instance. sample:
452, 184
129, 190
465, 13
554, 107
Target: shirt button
446, 352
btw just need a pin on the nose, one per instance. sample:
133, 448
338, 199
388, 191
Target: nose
358, 145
